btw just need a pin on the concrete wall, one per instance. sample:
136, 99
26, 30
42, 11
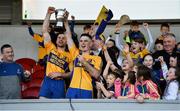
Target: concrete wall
87, 105
24, 46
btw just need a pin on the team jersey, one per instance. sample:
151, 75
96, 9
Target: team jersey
127, 89
41, 49
148, 88
161, 37
58, 60
145, 52
137, 58
81, 79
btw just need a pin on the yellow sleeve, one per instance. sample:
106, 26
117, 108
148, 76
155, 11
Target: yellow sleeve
144, 52
73, 52
71, 66
98, 63
49, 46
38, 38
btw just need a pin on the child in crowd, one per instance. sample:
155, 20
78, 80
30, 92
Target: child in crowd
110, 77
158, 45
145, 88
135, 33
127, 63
165, 28
172, 77
178, 47
173, 61
125, 90
156, 75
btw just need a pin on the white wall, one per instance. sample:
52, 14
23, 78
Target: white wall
24, 46
80, 8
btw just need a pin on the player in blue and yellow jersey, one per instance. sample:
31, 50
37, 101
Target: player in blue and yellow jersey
86, 65
57, 63
42, 54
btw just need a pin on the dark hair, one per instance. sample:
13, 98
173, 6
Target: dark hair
118, 73
178, 43
55, 32
114, 53
158, 41
134, 23
177, 74
132, 77
174, 55
149, 54
86, 27
139, 40
87, 35
5, 46
112, 41
165, 25
144, 72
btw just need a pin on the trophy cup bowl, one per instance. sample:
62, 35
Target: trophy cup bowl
59, 17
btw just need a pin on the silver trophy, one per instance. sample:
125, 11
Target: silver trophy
59, 17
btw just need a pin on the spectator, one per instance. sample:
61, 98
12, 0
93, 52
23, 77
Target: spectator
145, 88
158, 45
11, 74
156, 75
110, 77
169, 43
127, 89
165, 28
172, 77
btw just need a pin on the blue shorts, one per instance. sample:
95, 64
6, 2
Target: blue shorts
52, 88
75, 93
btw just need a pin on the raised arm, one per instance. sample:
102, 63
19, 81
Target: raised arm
106, 70
45, 32
128, 56
72, 23
150, 38
68, 31
164, 67
108, 58
118, 39
31, 32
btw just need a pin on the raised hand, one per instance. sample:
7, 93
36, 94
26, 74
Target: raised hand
126, 48
29, 23
117, 28
145, 25
126, 33
161, 60
51, 10
66, 15
72, 17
